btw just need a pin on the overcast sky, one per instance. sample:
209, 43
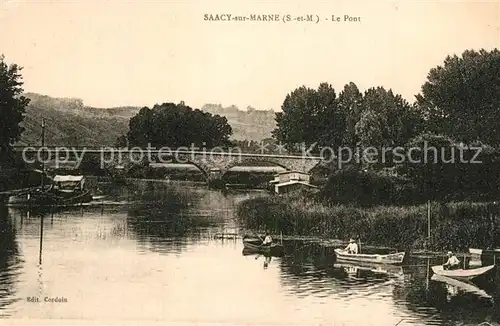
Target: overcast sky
113, 53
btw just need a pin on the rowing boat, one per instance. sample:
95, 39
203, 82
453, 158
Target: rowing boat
462, 274
396, 258
255, 245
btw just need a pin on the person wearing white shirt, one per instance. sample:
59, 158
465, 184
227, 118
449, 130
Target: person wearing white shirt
352, 247
267, 240
452, 263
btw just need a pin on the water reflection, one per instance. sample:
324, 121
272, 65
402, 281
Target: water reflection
10, 262
364, 270
441, 299
456, 287
168, 219
266, 259
164, 256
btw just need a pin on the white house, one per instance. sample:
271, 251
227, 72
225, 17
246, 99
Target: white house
290, 181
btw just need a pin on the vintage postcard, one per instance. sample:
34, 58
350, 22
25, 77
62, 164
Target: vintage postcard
240, 162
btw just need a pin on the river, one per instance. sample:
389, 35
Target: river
164, 252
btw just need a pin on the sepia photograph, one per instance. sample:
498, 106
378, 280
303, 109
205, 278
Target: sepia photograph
240, 162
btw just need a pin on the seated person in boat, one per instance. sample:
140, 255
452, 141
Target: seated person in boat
452, 263
352, 247
267, 240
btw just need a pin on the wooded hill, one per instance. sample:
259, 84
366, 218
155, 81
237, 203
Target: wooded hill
71, 123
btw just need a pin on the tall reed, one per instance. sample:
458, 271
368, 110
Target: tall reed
453, 225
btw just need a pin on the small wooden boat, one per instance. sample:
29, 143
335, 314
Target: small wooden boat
462, 274
396, 258
255, 245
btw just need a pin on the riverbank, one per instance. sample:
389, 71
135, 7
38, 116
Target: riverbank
454, 225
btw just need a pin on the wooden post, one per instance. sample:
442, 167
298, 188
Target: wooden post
281, 237
41, 240
43, 160
428, 222
427, 275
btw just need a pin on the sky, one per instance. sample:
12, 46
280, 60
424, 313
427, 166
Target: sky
139, 53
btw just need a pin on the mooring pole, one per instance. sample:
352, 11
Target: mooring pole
427, 275
41, 240
43, 144
429, 221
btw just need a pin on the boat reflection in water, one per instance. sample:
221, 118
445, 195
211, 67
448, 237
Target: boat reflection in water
267, 257
366, 268
454, 286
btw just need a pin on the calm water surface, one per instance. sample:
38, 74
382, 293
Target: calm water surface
161, 257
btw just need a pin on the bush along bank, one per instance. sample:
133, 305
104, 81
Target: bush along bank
454, 226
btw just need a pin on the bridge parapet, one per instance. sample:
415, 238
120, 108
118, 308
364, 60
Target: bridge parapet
213, 164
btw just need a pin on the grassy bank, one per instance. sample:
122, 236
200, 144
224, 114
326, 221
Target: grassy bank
455, 226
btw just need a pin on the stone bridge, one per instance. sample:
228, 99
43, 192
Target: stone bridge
211, 163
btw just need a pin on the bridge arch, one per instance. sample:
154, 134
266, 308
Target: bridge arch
200, 168
252, 162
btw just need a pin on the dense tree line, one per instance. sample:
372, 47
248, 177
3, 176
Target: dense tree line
376, 118
461, 99
457, 112
176, 125
12, 106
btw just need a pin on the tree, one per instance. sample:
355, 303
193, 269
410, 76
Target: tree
310, 116
12, 105
461, 98
446, 170
351, 103
430, 164
177, 125
386, 119
121, 141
